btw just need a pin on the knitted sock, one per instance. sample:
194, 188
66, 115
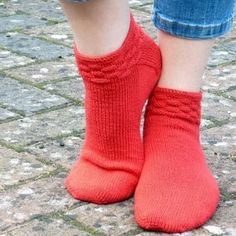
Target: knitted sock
176, 191
117, 86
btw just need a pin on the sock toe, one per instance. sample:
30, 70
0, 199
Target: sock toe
84, 183
163, 216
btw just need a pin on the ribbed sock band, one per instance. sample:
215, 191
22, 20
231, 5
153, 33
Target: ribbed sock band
176, 191
116, 87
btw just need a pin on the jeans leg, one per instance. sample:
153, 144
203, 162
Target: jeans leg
194, 19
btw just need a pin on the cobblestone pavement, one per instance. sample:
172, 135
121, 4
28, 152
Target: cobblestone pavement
42, 127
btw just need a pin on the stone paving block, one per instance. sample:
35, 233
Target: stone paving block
60, 33
221, 139
17, 167
33, 47
134, 3
45, 227
217, 107
114, 219
140, 16
38, 8
232, 93
26, 98
230, 46
9, 59
224, 221
219, 78
4, 11
5, 114
44, 126
16, 22
46, 72
206, 123
63, 151
224, 169
36, 198
72, 88
146, 7
220, 56
141, 5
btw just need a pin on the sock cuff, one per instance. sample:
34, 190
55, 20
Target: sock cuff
178, 104
111, 65
178, 93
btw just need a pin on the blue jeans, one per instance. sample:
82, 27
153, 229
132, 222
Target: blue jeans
192, 19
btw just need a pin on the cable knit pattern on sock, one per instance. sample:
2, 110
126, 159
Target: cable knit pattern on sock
177, 108
176, 191
116, 88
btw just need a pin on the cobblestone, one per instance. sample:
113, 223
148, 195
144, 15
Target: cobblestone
32, 47
59, 33
221, 139
71, 88
230, 46
115, 219
18, 22
62, 151
25, 98
8, 60
217, 107
5, 114
220, 79
17, 167
220, 56
46, 72
45, 226
42, 125
48, 9
38, 197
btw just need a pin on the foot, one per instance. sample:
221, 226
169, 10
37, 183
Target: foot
116, 86
176, 191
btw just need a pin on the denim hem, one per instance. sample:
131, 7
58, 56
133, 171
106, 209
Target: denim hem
191, 31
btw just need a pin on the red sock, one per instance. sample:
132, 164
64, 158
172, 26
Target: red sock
117, 86
176, 191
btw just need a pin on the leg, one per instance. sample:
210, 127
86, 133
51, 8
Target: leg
186, 31
176, 191
183, 70
99, 27
120, 66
